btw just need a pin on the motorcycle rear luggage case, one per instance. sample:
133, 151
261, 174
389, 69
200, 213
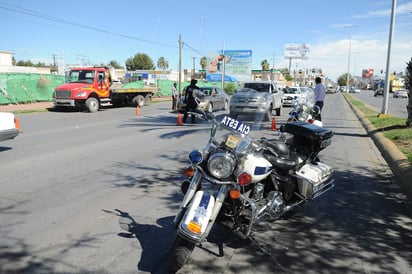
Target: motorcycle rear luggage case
308, 136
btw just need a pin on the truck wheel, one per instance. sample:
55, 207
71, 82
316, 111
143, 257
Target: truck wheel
92, 104
147, 99
138, 101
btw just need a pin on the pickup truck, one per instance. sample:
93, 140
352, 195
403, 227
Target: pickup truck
91, 88
257, 97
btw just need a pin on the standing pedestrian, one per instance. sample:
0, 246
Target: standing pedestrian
174, 97
191, 103
320, 93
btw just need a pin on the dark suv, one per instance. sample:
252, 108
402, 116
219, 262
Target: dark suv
378, 91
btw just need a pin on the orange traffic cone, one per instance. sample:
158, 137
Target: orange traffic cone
273, 124
179, 119
137, 110
17, 124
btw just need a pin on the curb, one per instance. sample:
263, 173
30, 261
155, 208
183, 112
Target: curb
396, 160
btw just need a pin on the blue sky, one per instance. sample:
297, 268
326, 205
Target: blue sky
101, 31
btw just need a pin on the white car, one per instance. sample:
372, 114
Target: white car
9, 126
293, 93
401, 94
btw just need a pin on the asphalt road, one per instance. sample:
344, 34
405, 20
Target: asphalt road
396, 106
95, 193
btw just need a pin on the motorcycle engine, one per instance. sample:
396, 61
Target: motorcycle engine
276, 205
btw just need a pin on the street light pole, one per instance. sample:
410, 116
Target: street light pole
350, 45
388, 58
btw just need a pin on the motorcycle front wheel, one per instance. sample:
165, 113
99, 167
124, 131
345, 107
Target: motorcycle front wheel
181, 251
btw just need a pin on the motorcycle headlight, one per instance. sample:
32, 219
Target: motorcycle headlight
221, 164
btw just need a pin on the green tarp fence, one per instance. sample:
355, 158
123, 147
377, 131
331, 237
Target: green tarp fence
16, 88
25, 88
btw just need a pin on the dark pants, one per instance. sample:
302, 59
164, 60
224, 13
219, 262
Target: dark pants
191, 108
320, 105
174, 102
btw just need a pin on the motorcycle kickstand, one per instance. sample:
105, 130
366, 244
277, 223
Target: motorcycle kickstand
266, 252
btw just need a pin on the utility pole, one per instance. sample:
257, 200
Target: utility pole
194, 68
180, 63
388, 60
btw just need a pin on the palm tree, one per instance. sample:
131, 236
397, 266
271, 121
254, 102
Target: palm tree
162, 63
265, 64
203, 62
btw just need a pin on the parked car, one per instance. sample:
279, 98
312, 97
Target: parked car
210, 99
9, 126
403, 93
330, 89
292, 93
378, 91
354, 90
257, 97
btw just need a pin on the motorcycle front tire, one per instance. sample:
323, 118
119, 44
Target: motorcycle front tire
181, 251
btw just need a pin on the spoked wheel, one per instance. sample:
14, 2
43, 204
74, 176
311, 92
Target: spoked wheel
181, 251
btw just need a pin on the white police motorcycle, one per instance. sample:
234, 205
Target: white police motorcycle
245, 181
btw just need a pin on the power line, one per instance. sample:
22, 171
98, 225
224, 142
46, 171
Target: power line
25, 11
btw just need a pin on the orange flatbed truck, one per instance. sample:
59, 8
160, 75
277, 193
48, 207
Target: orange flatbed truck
90, 88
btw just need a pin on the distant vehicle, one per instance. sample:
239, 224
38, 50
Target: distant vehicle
257, 97
403, 93
343, 89
330, 90
354, 90
8, 126
90, 88
210, 99
378, 91
291, 94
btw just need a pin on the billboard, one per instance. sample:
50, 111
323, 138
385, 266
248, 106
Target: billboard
367, 73
296, 51
238, 65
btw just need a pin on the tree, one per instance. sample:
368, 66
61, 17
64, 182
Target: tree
343, 78
409, 81
203, 62
162, 63
22, 63
265, 64
140, 61
114, 64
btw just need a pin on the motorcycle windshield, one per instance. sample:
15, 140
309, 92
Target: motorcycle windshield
233, 134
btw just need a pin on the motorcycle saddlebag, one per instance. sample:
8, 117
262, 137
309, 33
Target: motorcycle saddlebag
308, 137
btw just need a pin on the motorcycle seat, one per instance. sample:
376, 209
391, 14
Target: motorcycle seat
284, 162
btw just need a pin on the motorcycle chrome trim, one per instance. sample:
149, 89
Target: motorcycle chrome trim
220, 198
188, 196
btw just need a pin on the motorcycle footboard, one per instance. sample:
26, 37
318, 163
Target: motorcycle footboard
314, 180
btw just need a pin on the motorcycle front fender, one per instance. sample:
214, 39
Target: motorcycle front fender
195, 222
